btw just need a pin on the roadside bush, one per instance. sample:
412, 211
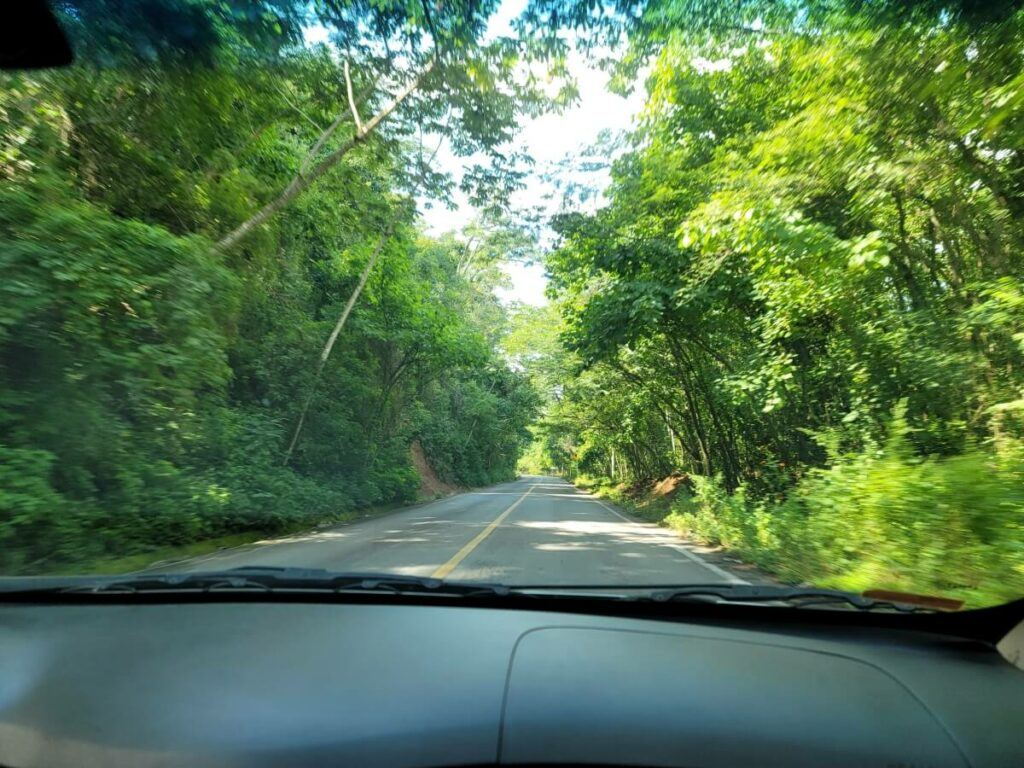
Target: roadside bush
242, 485
951, 525
393, 475
30, 508
474, 429
881, 518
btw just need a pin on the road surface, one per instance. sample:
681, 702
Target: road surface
532, 531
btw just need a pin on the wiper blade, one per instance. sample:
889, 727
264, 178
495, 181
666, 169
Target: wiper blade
252, 579
793, 597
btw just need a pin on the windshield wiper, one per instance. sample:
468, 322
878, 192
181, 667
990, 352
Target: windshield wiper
312, 581
250, 579
793, 597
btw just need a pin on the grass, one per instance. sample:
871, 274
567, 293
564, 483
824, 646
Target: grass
142, 560
644, 505
946, 527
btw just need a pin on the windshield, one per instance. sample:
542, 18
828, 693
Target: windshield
526, 292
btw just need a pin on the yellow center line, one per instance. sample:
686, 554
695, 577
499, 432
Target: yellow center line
443, 571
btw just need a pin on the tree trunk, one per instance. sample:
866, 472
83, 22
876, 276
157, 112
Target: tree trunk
905, 257
333, 338
305, 177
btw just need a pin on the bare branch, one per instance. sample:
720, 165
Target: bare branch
326, 352
440, 141
306, 176
318, 145
352, 100
298, 109
430, 21
398, 99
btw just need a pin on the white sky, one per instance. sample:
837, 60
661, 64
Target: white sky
549, 139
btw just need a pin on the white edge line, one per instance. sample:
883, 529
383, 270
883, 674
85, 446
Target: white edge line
721, 572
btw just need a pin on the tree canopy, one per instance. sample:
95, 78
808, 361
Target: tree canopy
160, 339
809, 259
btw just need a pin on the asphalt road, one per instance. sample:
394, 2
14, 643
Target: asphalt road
535, 530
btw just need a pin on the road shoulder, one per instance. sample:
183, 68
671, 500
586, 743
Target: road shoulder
717, 558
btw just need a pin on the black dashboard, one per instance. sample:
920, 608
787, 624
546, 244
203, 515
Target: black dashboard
253, 684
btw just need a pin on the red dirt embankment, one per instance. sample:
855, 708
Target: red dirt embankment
431, 486
667, 487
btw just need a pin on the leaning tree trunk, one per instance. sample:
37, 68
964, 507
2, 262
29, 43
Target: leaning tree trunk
308, 174
326, 352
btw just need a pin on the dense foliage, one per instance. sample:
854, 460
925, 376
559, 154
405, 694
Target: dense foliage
804, 291
807, 290
151, 375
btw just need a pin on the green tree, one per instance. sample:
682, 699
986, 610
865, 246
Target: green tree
151, 381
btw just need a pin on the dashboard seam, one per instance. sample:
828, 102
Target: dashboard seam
515, 648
